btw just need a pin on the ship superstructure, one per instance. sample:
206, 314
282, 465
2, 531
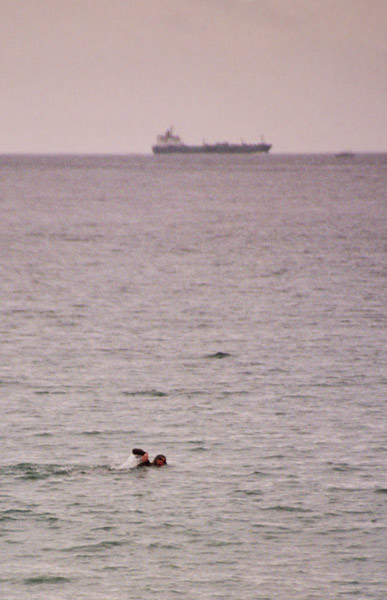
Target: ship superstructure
168, 139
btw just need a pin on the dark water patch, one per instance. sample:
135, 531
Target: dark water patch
45, 579
344, 467
43, 434
335, 488
261, 473
218, 355
273, 456
191, 393
163, 546
249, 492
47, 518
152, 393
14, 514
343, 530
222, 543
284, 508
49, 392
381, 491
92, 548
44, 473
275, 273
185, 250
341, 583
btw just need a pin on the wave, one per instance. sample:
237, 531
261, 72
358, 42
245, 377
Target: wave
284, 508
218, 355
98, 547
39, 579
36, 471
152, 393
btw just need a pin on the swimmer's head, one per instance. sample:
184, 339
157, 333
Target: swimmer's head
159, 460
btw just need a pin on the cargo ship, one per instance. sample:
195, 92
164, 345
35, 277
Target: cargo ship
170, 143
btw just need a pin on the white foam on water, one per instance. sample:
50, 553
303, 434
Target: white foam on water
130, 463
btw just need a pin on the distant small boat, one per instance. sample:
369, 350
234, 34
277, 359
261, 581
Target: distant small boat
346, 154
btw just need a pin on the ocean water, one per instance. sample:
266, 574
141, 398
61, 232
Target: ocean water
228, 312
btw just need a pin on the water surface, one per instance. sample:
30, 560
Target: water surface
226, 311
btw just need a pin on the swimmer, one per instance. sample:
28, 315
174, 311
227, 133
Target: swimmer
143, 459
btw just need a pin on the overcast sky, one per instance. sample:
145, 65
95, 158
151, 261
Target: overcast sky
109, 75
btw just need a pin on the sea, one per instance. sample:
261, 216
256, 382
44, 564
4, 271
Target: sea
226, 311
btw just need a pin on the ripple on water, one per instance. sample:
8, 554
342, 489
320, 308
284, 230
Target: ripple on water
45, 579
149, 393
92, 548
34, 471
218, 355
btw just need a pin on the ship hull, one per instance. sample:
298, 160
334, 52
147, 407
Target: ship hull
211, 149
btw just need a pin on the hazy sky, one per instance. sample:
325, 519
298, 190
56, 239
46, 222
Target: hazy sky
108, 75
